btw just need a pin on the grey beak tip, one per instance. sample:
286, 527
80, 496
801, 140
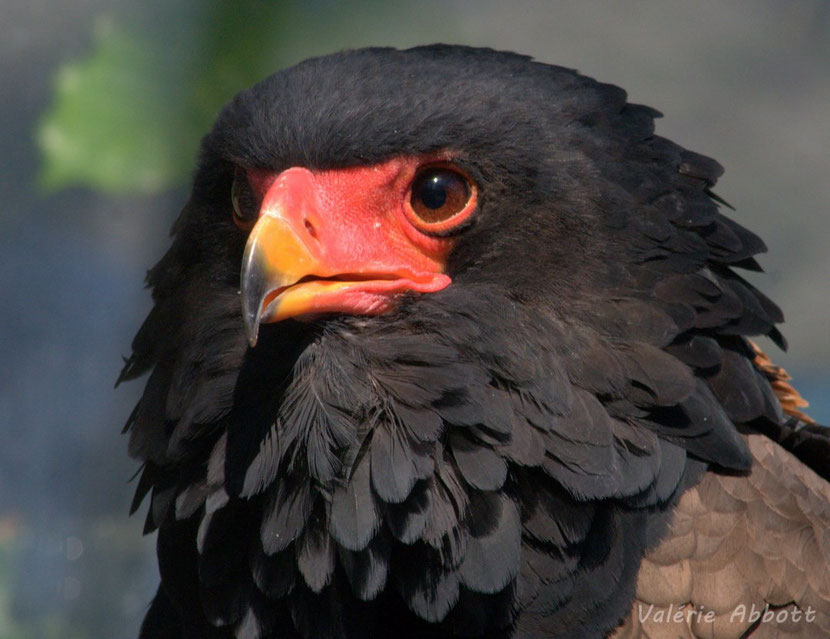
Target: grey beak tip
250, 316
251, 328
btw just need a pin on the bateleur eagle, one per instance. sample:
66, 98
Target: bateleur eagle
450, 343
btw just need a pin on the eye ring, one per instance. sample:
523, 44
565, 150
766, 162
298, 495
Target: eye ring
244, 201
440, 198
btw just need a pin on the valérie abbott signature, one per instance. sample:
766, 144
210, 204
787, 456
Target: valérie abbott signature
741, 613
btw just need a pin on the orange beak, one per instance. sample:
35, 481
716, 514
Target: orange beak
336, 242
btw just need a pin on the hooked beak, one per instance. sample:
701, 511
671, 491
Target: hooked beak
275, 259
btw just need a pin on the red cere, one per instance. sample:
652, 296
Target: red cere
361, 217
351, 240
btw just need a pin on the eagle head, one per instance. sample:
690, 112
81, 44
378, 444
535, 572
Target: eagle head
441, 337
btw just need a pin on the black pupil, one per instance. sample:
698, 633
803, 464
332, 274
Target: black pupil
433, 191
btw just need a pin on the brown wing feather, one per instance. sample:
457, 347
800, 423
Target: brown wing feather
779, 379
761, 539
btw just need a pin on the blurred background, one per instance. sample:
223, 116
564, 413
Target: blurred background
103, 104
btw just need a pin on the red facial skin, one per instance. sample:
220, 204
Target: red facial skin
350, 235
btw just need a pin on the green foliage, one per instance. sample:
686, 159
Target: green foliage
128, 117
112, 126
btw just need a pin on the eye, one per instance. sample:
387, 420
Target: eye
438, 196
245, 203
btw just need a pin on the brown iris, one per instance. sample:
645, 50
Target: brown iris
438, 194
244, 200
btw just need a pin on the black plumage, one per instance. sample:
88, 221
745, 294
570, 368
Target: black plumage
490, 460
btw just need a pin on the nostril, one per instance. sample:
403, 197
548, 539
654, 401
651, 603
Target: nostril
310, 228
